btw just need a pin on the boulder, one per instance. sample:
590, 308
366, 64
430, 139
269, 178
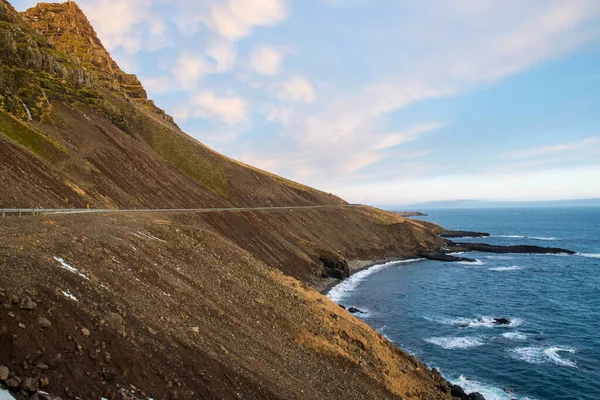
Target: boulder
354, 310
502, 321
27, 303
476, 396
458, 393
43, 323
4, 372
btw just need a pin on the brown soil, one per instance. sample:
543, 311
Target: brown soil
259, 333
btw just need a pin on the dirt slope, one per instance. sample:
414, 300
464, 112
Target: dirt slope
179, 308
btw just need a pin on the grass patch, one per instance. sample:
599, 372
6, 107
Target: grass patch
38, 143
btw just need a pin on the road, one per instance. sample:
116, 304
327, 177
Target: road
35, 211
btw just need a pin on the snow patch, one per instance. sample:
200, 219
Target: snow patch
70, 268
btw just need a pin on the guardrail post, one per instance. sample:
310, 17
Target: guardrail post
3, 213
19, 212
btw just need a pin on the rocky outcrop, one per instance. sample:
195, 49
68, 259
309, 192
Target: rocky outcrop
517, 249
463, 234
69, 30
334, 266
445, 257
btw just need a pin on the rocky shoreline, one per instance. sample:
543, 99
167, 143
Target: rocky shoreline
448, 254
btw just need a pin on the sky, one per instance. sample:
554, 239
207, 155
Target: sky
378, 101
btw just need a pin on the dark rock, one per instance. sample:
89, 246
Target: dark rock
342, 306
476, 396
458, 393
12, 383
519, 249
440, 256
27, 303
30, 384
334, 266
354, 310
463, 234
502, 321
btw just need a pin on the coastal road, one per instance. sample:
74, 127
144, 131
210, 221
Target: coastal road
35, 211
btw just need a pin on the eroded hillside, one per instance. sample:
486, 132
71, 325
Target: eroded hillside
85, 132
176, 307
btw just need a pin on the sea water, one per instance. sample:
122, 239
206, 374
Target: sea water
444, 312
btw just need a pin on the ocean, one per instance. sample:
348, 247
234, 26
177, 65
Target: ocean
443, 313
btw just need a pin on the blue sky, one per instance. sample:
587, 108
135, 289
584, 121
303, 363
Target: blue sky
395, 101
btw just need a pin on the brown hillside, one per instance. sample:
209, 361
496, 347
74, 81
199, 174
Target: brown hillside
169, 305
203, 314
90, 127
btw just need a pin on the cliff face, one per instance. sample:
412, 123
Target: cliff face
69, 30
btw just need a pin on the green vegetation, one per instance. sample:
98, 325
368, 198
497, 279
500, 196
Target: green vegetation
40, 144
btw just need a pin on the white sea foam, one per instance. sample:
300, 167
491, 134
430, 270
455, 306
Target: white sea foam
488, 391
500, 269
472, 263
478, 322
589, 255
527, 237
452, 343
515, 335
340, 291
544, 355
70, 268
5, 395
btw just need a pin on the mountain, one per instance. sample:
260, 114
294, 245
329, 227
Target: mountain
497, 204
85, 133
170, 305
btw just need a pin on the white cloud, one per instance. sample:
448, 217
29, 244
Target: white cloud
229, 110
266, 60
545, 150
296, 88
235, 19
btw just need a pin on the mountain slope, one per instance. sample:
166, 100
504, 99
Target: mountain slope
95, 134
178, 305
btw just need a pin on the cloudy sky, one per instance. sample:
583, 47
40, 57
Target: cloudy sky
395, 101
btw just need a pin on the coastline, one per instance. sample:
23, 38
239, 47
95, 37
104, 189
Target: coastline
356, 266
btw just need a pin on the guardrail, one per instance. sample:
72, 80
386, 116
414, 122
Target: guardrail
47, 211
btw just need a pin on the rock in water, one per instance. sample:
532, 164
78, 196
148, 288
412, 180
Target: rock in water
458, 393
354, 310
476, 396
502, 321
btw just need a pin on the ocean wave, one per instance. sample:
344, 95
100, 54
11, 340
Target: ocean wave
488, 391
340, 291
472, 263
527, 237
515, 335
589, 255
500, 269
452, 343
499, 257
544, 355
477, 322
